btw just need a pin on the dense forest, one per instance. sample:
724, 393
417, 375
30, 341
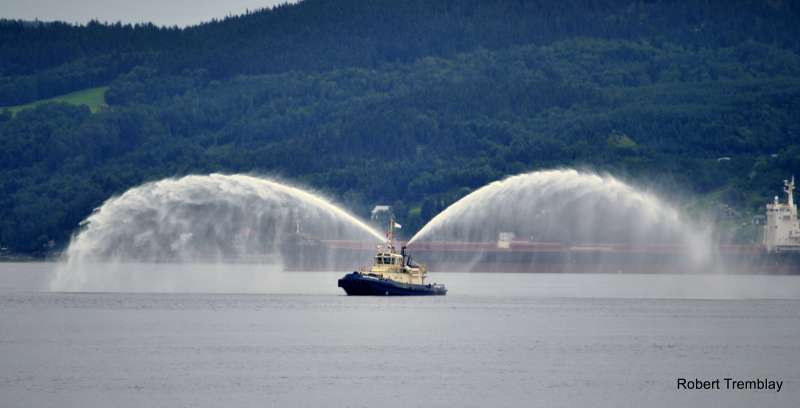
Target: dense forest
412, 103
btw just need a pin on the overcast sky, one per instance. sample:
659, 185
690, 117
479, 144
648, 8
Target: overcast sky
160, 12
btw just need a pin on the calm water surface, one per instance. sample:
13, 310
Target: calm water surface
495, 340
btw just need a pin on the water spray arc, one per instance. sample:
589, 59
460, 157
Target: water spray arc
210, 219
569, 209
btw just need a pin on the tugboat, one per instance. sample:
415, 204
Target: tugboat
391, 274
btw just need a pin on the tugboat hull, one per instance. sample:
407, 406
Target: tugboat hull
358, 284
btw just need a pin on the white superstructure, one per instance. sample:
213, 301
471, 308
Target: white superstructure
782, 232
504, 239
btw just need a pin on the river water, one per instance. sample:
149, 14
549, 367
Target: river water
495, 340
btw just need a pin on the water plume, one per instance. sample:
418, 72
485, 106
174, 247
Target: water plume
571, 209
198, 219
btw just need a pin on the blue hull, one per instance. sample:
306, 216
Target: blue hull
358, 284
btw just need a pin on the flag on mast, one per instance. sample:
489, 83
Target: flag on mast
396, 225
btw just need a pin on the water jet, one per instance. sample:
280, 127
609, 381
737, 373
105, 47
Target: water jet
211, 219
562, 221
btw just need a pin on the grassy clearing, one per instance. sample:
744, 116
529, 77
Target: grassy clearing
91, 97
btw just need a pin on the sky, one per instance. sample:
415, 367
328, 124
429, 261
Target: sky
159, 12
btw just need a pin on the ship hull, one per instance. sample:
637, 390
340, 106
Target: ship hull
358, 284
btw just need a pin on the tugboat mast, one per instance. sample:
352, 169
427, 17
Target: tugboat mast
390, 233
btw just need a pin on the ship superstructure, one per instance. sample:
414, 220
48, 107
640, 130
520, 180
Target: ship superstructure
389, 264
782, 232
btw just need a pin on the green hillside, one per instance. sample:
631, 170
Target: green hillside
438, 97
94, 98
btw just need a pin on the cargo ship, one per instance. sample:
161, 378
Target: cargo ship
777, 253
391, 274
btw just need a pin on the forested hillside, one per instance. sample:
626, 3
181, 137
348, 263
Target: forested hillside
408, 103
